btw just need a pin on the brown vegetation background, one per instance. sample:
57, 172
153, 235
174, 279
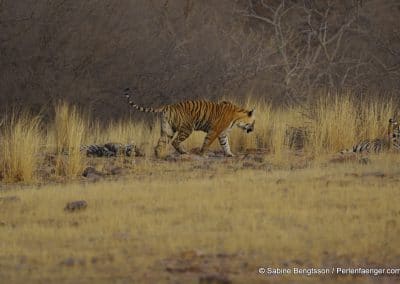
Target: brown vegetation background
284, 52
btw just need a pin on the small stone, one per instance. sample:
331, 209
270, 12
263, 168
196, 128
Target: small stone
88, 171
92, 174
76, 205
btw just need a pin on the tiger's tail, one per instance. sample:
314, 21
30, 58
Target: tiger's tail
135, 106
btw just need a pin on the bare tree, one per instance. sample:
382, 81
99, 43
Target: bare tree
282, 50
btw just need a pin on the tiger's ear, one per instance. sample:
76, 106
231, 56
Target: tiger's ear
250, 113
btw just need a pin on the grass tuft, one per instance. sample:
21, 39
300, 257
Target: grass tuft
20, 139
329, 125
69, 131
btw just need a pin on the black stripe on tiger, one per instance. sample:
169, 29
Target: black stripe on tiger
216, 119
392, 141
127, 95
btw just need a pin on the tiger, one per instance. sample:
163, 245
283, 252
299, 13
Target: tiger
181, 119
111, 150
391, 142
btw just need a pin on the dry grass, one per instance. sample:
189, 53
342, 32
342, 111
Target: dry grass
20, 141
173, 222
339, 122
332, 124
68, 134
226, 219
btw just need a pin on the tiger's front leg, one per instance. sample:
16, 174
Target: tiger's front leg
224, 142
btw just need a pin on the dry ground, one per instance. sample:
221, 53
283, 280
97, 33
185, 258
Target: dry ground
182, 220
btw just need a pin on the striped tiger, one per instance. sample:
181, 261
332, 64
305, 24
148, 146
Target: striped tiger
111, 150
216, 119
391, 142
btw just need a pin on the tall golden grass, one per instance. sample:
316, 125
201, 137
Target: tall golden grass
20, 141
339, 122
68, 133
329, 125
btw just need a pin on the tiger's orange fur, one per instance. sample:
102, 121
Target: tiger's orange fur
216, 119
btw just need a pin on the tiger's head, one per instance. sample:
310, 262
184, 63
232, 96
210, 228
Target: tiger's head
246, 121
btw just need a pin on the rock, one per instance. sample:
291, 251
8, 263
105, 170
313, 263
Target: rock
76, 205
214, 279
89, 170
92, 174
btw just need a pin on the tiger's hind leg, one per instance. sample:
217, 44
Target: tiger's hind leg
162, 145
183, 134
167, 133
208, 140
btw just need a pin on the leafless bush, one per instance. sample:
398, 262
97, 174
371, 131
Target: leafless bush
88, 51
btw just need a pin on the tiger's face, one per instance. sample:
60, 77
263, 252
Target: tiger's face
247, 121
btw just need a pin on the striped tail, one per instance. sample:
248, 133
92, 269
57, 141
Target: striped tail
135, 106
